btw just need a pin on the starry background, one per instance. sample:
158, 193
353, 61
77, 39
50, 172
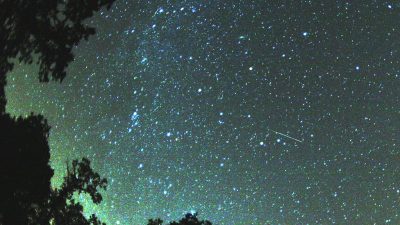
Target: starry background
247, 112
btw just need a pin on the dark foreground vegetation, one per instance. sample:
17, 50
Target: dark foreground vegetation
44, 32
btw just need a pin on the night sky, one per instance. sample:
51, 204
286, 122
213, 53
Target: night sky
245, 111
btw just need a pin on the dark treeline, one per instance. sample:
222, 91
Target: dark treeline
44, 32
189, 219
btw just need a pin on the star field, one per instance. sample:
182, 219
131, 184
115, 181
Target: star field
248, 112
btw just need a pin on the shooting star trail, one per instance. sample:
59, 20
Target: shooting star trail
285, 135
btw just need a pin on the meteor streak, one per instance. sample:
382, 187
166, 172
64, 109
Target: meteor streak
285, 135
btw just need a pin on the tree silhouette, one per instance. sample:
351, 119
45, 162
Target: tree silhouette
43, 31
189, 219
24, 170
80, 179
51, 206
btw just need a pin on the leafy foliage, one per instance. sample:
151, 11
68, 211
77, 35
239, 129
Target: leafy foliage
45, 32
80, 179
48, 29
